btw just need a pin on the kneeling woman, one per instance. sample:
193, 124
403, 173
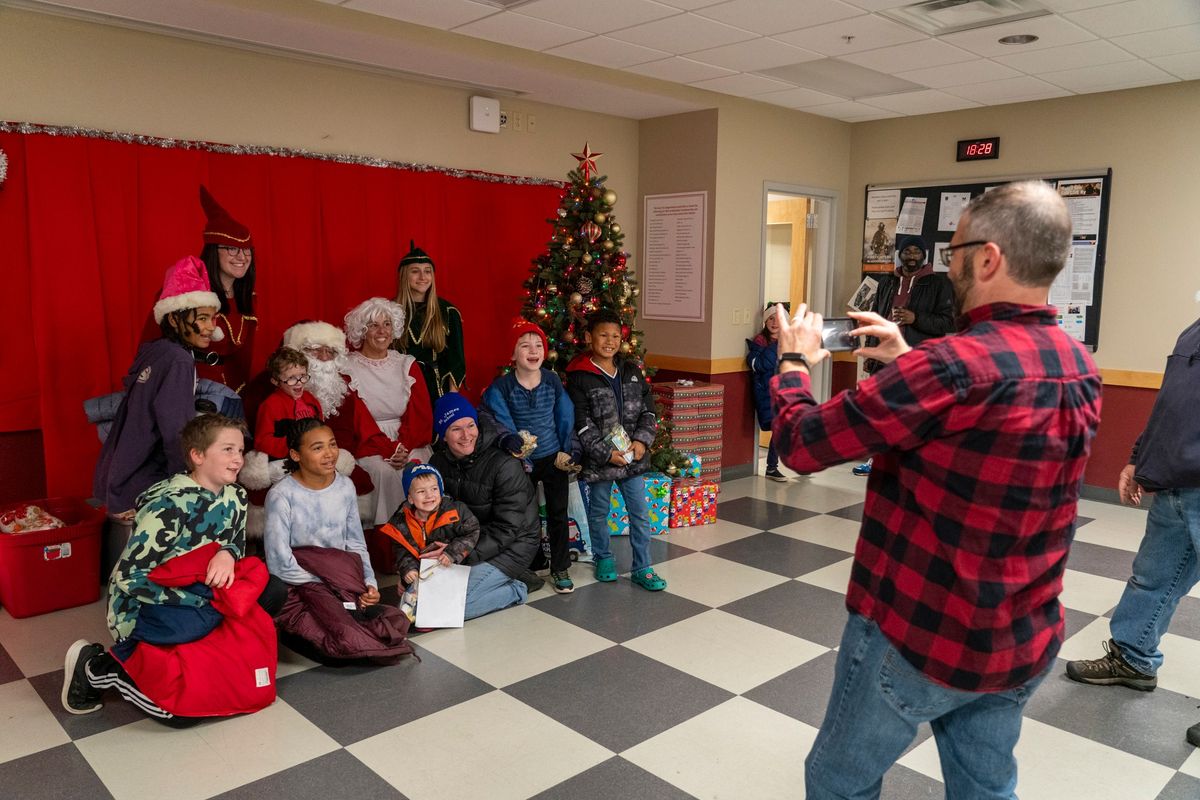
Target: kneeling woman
315, 544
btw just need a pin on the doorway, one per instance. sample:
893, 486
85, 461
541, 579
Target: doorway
798, 246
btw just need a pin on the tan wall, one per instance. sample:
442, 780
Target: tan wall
760, 143
68, 72
678, 153
1146, 135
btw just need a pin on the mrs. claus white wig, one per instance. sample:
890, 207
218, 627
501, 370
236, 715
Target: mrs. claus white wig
375, 309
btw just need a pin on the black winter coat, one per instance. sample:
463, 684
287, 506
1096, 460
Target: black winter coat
495, 487
931, 300
596, 413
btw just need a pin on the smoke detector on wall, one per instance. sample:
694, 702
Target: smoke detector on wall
937, 17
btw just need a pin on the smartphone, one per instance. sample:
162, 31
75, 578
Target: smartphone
835, 334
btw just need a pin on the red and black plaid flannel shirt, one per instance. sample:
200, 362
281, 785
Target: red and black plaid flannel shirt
980, 440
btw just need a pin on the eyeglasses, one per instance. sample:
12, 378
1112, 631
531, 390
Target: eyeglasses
948, 251
235, 252
321, 350
295, 380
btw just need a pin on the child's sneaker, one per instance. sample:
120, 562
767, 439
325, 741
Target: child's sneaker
647, 579
606, 569
78, 696
561, 582
863, 468
775, 475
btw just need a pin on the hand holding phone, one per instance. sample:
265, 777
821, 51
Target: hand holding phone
836, 334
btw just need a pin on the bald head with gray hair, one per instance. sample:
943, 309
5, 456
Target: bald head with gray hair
374, 309
1029, 222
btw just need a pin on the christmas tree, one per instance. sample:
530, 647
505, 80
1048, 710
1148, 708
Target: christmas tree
583, 269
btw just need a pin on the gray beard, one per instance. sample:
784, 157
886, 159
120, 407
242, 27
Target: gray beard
326, 384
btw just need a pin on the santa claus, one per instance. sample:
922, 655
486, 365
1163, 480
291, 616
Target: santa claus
378, 459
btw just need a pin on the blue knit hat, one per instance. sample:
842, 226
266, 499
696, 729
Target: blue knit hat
451, 407
413, 471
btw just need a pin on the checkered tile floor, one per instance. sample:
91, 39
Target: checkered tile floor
712, 689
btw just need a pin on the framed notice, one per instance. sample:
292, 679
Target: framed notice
674, 230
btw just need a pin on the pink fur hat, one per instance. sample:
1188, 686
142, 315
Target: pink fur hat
185, 286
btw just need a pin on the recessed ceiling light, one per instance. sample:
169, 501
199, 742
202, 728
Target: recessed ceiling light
1019, 38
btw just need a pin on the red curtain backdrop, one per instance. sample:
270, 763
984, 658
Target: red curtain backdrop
88, 227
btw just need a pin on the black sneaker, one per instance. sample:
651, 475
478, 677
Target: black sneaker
1110, 670
1193, 735
78, 696
532, 582
775, 475
562, 583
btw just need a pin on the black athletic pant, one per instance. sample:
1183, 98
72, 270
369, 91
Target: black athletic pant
555, 484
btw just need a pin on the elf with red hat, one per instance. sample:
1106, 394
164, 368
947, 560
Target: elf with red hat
228, 262
536, 418
143, 445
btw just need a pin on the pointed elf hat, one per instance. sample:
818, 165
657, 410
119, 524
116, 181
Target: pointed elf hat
415, 255
185, 286
220, 228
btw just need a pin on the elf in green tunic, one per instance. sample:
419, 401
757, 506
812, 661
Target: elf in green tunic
433, 332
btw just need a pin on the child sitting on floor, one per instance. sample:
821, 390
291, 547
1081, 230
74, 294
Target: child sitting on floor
155, 610
429, 524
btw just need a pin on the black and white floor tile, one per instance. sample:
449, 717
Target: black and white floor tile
714, 688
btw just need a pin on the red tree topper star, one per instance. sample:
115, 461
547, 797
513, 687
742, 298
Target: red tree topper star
587, 160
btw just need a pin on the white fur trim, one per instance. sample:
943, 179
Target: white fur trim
277, 471
184, 301
256, 522
218, 335
319, 333
345, 462
255, 473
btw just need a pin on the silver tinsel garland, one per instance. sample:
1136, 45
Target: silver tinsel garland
259, 150
3, 167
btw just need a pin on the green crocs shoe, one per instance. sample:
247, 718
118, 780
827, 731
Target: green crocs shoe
648, 580
606, 570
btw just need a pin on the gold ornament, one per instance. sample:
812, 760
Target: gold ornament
633, 341
635, 291
586, 258
552, 288
541, 312
607, 244
600, 218
610, 198
625, 348
672, 469
552, 355
576, 298
616, 228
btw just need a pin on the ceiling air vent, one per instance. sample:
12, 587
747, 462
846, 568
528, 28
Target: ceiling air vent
937, 17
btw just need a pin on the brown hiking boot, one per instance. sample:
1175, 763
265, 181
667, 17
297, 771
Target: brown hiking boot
1112, 669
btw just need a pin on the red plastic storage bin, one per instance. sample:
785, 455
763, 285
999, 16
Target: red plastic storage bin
43, 571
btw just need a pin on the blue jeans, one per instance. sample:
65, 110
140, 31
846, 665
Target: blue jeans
633, 489
489, 589
877, 701
1164, 570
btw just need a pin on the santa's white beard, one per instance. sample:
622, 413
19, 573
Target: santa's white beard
326, 384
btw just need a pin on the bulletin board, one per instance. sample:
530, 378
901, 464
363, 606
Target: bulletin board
932, 211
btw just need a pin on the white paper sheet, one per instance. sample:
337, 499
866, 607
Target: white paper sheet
952, 206
1083, 201
442, 596
938, 247
883, 204
912, 216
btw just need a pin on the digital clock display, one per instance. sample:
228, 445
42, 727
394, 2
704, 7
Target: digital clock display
978, 149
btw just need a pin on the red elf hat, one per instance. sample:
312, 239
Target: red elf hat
220, 228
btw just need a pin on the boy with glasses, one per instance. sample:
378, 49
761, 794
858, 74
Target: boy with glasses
289, 402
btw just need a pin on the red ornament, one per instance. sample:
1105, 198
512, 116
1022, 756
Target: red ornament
591, 231
624, 331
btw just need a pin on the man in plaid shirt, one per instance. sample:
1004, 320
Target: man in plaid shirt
980, 441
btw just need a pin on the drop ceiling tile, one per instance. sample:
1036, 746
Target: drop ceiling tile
1137, 16
977, 71
851, 112
928, 101
1168, 42
608, 52
585, 14
800, 98
683, 33
867, 33
754, 54
879, 5
519, 31
1063, 6
743, 85
1009, 90
444, 14
680, 70
1052, 31
777, 16
914, 55
1072, 56
1183, 65
1107, 77
691, 5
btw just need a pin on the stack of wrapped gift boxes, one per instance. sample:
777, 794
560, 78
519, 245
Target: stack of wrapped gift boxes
696, 411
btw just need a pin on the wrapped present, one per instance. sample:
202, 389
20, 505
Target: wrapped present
658, 503
693, 502
692, 470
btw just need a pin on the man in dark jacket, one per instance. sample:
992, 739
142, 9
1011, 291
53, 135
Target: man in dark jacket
495, 487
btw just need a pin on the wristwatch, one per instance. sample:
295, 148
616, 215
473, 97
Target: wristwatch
800, 357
